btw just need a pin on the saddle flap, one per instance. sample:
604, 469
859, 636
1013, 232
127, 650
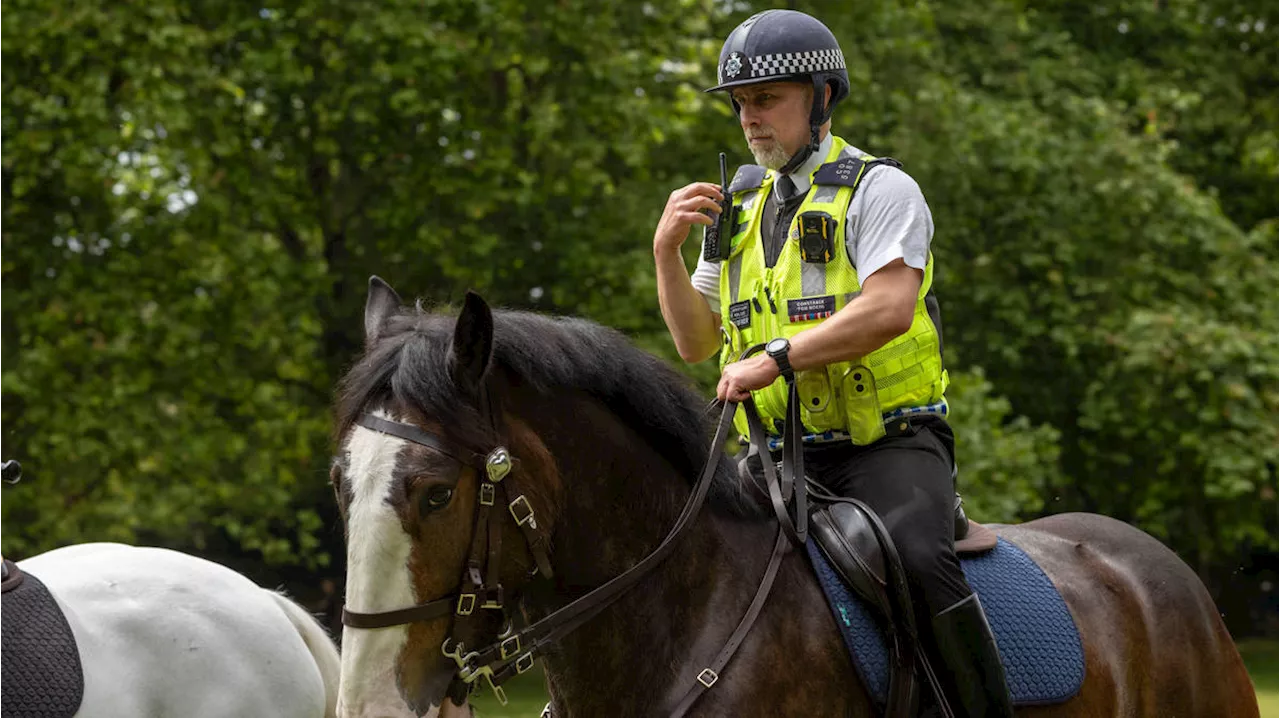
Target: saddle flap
849, 542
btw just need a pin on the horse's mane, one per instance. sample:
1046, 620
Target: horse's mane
409, 365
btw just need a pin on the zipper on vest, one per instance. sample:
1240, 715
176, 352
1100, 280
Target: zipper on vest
755, 294
769, 296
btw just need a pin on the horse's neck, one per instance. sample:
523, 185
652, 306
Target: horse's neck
620, 500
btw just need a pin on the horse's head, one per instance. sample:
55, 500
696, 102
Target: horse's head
440, 519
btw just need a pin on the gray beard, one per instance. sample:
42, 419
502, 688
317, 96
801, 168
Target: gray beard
773, 158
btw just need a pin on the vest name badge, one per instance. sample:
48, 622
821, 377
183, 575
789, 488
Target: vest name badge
811, 308
740, 314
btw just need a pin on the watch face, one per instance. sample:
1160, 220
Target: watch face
777, 345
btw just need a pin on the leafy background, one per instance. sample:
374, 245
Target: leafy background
194, 195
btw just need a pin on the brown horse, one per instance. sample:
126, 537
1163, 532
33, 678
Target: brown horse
604, 443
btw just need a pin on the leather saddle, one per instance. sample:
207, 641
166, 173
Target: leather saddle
858, 546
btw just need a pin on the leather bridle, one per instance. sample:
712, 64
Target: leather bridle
480, 587
516, 650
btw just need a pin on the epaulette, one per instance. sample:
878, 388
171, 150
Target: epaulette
747, 177
848, 171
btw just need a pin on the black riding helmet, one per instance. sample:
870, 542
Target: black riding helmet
785, 45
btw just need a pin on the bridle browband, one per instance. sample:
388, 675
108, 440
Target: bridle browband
496, 466
516, 650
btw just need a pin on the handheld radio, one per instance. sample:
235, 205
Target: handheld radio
716, 244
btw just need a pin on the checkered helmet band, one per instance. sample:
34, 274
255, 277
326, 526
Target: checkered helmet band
796, 63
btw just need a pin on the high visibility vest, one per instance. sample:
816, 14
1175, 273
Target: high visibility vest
759, 303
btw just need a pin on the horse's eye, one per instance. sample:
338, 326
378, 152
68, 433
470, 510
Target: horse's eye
435, 499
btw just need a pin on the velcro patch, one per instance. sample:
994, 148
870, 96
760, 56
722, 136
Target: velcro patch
846, 171
747, 177
740, 314
843, 171
811, 308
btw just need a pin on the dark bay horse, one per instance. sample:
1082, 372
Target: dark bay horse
604, 443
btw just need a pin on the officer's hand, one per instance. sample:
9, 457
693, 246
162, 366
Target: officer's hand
684, 209
741, 378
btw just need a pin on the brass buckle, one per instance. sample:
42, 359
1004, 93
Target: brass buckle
708, 677
509, 647
524, 663
466, 604
521, 503
488, 494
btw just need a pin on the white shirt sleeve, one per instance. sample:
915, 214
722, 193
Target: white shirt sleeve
706, 279
888, 219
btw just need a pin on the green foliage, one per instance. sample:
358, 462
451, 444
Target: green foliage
1260, 658
1007, 467
195, 196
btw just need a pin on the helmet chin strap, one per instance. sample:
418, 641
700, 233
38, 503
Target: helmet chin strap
803, 153
819, 113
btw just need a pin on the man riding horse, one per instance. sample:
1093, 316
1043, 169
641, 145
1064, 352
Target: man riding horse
824, 258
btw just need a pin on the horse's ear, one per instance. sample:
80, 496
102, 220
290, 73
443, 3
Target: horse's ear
382, 303
472, 344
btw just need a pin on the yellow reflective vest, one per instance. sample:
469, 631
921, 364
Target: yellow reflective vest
759, 303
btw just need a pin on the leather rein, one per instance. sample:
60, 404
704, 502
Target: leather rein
516, 650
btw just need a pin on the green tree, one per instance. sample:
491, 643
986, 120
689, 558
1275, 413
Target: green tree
194, 197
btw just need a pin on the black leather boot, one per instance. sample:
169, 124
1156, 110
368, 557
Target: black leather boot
968, 651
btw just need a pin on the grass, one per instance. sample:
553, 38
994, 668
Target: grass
527, 696
1260, 658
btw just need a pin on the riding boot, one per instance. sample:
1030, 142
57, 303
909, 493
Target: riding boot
968, 650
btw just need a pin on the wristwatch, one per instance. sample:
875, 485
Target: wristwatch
778, 349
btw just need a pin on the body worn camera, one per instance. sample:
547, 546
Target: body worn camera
817, 237
716, 243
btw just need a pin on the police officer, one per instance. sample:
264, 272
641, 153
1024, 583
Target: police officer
825, 257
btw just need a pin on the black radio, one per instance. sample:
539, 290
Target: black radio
716, 243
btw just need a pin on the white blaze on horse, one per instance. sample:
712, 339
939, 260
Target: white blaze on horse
160, 633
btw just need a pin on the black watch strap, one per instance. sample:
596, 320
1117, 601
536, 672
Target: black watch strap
784, 363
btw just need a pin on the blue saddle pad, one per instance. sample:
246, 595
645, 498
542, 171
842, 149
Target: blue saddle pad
1039, 643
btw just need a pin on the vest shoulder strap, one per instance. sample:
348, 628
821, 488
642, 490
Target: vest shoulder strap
747, 177
849, 171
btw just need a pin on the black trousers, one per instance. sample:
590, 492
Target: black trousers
907, 480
